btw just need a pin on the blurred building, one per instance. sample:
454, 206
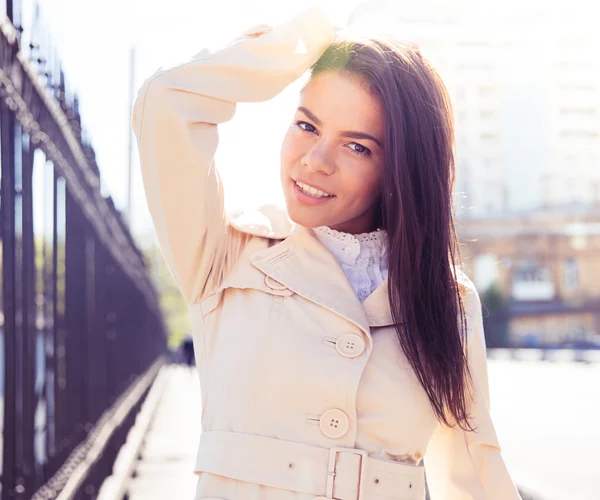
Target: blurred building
525, 83
524, 78
545, 265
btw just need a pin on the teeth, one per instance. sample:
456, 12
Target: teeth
316, 193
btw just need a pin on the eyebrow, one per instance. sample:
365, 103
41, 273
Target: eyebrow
346, 133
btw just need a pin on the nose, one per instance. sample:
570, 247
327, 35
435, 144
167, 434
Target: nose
318, 161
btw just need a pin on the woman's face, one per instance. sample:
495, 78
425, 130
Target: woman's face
332, 155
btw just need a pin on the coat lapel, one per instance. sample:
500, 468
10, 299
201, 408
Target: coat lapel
377, 307
306, 267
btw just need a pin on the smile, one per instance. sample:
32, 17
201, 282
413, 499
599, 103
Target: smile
311, 191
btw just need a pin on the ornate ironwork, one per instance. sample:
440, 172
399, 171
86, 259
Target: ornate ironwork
80, 325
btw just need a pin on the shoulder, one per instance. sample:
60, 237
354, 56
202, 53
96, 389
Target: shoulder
463, 281
471, 302
469, 293
266, 221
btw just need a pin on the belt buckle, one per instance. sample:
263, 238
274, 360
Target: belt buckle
331, 472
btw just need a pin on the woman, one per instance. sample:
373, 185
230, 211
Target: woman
339, 345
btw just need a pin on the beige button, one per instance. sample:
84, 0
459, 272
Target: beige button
274, 284
257, 30
334, 423
350, 345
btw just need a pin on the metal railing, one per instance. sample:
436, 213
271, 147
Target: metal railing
81, 334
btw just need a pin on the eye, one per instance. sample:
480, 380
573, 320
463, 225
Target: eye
359, 149
307, 127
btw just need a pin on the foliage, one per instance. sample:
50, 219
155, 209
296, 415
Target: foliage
172, 303
494, 300
495, 317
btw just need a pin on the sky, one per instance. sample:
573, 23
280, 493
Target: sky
93, 40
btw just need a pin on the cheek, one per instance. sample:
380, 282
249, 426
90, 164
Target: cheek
285, 152
290, 150
365, 184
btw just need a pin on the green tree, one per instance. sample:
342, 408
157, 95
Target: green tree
172, 303
495, 316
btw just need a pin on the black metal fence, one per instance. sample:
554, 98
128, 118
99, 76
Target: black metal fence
80, 329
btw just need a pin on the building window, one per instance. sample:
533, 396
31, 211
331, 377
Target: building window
579, 111
579, 95
489, 137
568, 134
488, 114
595, 187
486, 91
571, 273
569, 65
532, 281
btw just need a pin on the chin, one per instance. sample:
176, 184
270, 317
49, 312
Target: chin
303, 219
306, 216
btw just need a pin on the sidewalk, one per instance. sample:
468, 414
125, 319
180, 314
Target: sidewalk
545, 415
168, 454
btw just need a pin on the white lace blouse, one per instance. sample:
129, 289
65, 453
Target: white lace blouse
363, 257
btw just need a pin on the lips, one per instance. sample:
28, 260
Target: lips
313, 191
306, 197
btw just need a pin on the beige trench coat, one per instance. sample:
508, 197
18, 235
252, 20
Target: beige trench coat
305, 391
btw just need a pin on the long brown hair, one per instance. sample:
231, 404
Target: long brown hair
416, 210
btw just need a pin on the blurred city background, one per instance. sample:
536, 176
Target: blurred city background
96, 400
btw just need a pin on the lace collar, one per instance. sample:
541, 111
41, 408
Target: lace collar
347, 248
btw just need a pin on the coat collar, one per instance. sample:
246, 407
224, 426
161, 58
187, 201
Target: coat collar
305, 266
377, 307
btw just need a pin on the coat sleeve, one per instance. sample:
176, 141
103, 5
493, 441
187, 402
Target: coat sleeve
468, 465
175, 118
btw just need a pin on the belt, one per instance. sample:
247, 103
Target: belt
335, 473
